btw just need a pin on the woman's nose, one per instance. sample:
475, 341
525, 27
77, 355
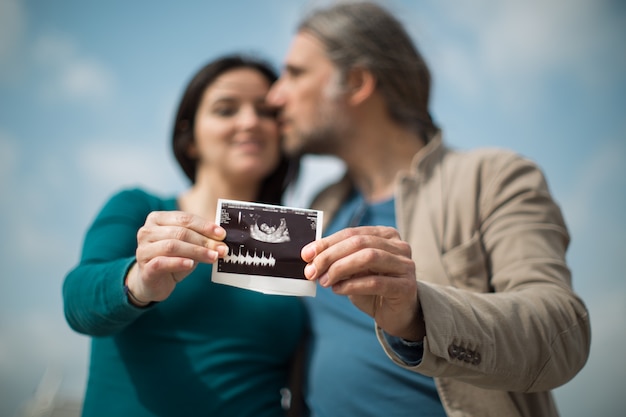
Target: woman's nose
248, 117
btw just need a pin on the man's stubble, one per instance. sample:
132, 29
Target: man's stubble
330, 126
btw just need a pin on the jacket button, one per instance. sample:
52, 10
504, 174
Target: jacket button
462, 354
453, 351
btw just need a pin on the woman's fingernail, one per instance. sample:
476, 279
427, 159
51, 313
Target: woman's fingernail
309, 271
324, 280
219, 231
308, 253
222, 250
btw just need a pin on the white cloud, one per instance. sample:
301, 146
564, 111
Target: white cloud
106, 165
513, 47
39, 344
112, 163
455, 63
605, 166
12, 27
86, 79
531, 37
578, 397
9, 153
33, 234
69, 73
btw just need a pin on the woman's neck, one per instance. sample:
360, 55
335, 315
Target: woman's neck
201, 198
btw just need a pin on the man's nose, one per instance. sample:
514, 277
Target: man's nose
275, 96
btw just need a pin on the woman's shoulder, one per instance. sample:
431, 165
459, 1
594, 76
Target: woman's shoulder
141, 197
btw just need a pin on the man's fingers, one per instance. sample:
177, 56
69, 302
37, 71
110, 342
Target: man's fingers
357, 251
374, 285
368, 262
315, 248
391, 301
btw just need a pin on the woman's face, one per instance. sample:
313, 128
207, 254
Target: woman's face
236, 132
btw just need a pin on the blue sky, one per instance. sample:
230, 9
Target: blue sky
88, 90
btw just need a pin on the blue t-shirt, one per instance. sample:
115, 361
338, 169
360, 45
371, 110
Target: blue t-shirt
349, 374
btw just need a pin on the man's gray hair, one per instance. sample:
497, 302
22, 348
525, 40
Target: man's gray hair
363, 34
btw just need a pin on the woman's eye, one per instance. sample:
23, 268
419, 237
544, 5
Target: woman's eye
224, 111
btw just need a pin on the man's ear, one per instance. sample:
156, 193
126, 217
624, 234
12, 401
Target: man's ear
361, 85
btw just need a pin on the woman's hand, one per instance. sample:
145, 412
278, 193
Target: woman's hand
169, 247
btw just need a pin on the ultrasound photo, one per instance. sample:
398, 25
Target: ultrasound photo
264, 243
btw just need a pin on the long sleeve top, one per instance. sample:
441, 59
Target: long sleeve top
207, 350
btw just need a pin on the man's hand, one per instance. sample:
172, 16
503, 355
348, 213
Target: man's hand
373, 267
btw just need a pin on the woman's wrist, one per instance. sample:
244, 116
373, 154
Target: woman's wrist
132, 298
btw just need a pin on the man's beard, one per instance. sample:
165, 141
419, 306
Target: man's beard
327, 135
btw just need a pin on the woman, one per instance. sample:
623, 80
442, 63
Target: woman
166, 340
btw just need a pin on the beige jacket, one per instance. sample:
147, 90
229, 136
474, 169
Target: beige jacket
503, 325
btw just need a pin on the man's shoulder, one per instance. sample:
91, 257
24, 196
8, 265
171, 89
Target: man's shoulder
480, 156
490, 173
483, 161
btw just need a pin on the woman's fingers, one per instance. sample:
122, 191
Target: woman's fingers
188, 221
177, 248
181, 234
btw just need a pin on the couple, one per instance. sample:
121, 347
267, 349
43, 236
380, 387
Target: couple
443, 283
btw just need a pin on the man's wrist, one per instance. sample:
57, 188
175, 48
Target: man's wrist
417, 328
409, 352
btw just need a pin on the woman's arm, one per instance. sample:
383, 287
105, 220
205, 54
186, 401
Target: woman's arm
93, 292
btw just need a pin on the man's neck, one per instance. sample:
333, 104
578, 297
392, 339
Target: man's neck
378, 157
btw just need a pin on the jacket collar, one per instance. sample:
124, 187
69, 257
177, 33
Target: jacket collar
428, 157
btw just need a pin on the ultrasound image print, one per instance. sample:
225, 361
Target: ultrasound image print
265, 240
270, 234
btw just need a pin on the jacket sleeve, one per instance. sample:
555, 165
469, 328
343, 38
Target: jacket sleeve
93, 292
525, 330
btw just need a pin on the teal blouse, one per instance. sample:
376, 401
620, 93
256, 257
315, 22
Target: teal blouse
208, 350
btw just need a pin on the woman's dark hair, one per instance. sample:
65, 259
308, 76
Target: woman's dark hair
275, 184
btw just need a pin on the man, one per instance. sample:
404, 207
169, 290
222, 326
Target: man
457, 259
